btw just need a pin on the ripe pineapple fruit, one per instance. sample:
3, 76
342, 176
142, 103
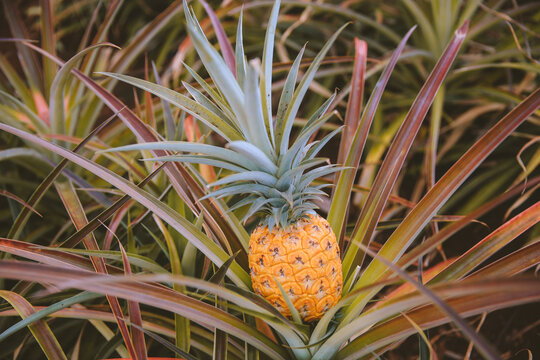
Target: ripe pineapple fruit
304, 258
292, 245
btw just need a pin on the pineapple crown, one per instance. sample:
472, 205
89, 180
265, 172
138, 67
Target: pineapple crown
277, 175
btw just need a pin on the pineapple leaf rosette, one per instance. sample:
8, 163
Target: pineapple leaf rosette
250, 162
294, 259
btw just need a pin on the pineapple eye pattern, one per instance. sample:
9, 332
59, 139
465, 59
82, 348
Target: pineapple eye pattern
262, 240
305, 261
291, 291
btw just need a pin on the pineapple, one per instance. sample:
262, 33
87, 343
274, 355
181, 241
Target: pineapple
304, 259
293, 254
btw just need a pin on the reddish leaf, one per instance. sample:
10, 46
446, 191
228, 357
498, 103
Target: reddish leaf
40, 329
144, 293
80, 312
391, 166
482, 346
511, 264
78, 217
434, 241
184, 184
137, 335
345, 180
460, 171
491, 244
48, 256
19, 200
429, 316
224, 43
38, 193
354, 104
28, 59
192, 233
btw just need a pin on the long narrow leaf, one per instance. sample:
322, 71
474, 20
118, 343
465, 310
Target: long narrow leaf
282, 134
137, 336
354, 104
490, 244
182, 101
146, 294
446, 186
48, 42
38, 193
435, 240
47, 256
216, 214
395, 158
191, 147
78, 217
41, 331
511, 264
429, 316
49, 310
56, 101
224, 43
266, 69
201, 241
342, 191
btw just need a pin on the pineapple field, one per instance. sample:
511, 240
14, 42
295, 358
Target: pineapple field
269, 179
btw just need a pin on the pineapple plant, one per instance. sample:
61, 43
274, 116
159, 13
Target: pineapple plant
294, 258
265, 171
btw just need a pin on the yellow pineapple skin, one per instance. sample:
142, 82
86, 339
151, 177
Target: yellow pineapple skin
304, 259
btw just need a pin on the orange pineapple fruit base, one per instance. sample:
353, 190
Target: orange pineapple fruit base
304, 259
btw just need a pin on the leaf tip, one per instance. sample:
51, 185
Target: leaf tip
462, 30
